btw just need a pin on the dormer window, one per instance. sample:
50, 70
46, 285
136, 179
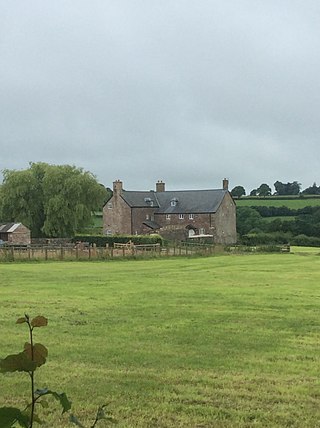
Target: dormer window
174, 202
148, 201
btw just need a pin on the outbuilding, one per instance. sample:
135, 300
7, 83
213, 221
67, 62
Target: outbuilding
15, 234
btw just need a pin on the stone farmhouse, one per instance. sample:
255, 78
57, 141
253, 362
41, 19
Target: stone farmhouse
175, 215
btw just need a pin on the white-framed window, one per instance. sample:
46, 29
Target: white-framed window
167, 216
109, 232
109, 205
181, 216
201, 231
147, 216
191, 232
191, 216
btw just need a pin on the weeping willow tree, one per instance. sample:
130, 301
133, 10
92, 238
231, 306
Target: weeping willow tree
52, 200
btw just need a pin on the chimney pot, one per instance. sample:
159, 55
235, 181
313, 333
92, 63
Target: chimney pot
117, 186
225, 184
160, 186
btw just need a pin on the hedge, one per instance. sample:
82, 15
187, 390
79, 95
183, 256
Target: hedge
103, 240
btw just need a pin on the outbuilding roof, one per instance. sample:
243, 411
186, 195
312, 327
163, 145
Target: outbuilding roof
9, 227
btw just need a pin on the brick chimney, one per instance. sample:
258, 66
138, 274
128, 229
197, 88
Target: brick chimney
160, 186
117, 187
225, 184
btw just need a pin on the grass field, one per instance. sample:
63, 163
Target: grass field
225, 341
276, 202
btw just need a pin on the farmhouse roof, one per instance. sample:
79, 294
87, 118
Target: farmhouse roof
140, 199
180, 202
9, 227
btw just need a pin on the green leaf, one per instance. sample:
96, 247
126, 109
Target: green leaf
39, 321
102, 414
64, 401
73, 419
43, 391
17, 363
61, 397
44, 403
10, 415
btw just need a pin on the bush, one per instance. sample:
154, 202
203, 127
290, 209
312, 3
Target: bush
266, 238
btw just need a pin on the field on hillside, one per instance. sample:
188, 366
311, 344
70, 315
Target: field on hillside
225, 341
278, 202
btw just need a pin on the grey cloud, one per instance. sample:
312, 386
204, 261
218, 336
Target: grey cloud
184, 91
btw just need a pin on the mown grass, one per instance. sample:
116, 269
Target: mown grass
225, 341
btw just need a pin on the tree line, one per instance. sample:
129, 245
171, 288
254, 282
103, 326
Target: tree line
281, 189
296, 226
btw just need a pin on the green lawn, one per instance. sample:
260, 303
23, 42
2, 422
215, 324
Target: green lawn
225, 341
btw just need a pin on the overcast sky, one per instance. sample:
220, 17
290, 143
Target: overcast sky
187, 91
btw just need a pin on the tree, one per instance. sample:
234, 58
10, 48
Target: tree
253, 192
312, 190
248, 219
288, 188
264, 190
52, 200
238, 191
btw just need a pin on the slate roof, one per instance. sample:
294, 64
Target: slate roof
152, 224
140, 199
187, 201
9, 227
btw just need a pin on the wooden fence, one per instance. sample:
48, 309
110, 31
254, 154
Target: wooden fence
16, 253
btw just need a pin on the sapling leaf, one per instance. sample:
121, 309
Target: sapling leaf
17, 363
42, 391
10, 415
73, 419
61, 397
44, 403
39, 321
100, 413
40, 353
21, 320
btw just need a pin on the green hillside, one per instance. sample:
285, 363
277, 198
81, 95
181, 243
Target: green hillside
293, 203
